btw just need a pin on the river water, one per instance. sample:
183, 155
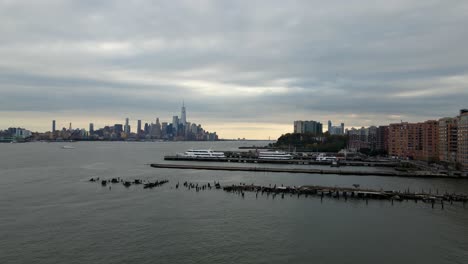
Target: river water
51, 213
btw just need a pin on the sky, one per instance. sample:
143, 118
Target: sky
243, 68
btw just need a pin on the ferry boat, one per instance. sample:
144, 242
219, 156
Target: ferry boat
274, 155
322, 157
203, 153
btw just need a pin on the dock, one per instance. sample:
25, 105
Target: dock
290, 161
300, 170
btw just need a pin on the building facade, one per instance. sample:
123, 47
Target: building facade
419, 141
336, 130
382, 138
313, 127
462, 139
448, 139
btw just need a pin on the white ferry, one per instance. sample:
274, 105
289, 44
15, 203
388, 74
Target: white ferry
322, 157
274, 155
202, 153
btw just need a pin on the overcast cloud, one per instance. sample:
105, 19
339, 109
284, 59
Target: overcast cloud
244, 68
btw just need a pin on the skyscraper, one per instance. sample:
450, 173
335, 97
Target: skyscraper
139, 127
91, 128
156, 129
53, 126
175, 123
183, 116
147, 129
127, 127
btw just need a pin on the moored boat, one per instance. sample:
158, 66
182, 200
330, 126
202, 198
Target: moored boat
202, 153
274, 155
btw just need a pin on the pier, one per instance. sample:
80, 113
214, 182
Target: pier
338, 193
349, 193
300, 170
247, 159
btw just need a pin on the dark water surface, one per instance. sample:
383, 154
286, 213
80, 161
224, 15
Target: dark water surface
50, 213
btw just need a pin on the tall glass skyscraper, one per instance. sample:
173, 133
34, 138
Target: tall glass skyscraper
183, 116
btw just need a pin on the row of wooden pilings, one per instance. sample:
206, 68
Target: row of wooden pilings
348, 193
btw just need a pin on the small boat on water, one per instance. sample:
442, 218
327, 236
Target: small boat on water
68, 147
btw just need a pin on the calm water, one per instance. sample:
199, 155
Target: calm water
50, 213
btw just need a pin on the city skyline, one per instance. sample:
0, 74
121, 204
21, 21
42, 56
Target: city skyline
246, 69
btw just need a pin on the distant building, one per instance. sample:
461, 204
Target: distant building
138, 128
156, 129
312, 127
335, 130
164, 130
147, 129
118, 128
183, 116
53, 126
127, 126
91, 128
22, 133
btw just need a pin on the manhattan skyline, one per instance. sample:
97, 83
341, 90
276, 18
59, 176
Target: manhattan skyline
244, 69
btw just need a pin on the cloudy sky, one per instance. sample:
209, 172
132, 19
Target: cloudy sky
244, 68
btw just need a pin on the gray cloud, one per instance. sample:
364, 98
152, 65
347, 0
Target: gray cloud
363, 62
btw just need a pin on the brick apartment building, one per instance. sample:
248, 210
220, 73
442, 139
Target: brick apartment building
418, 141
462, 139
448, 138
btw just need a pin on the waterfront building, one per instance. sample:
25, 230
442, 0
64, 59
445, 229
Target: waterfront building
362, 138
382, 138
430, 141
311, 126
403, 140
91, 128
448, 139
22, 133
417, 141
462, 142
53, 126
